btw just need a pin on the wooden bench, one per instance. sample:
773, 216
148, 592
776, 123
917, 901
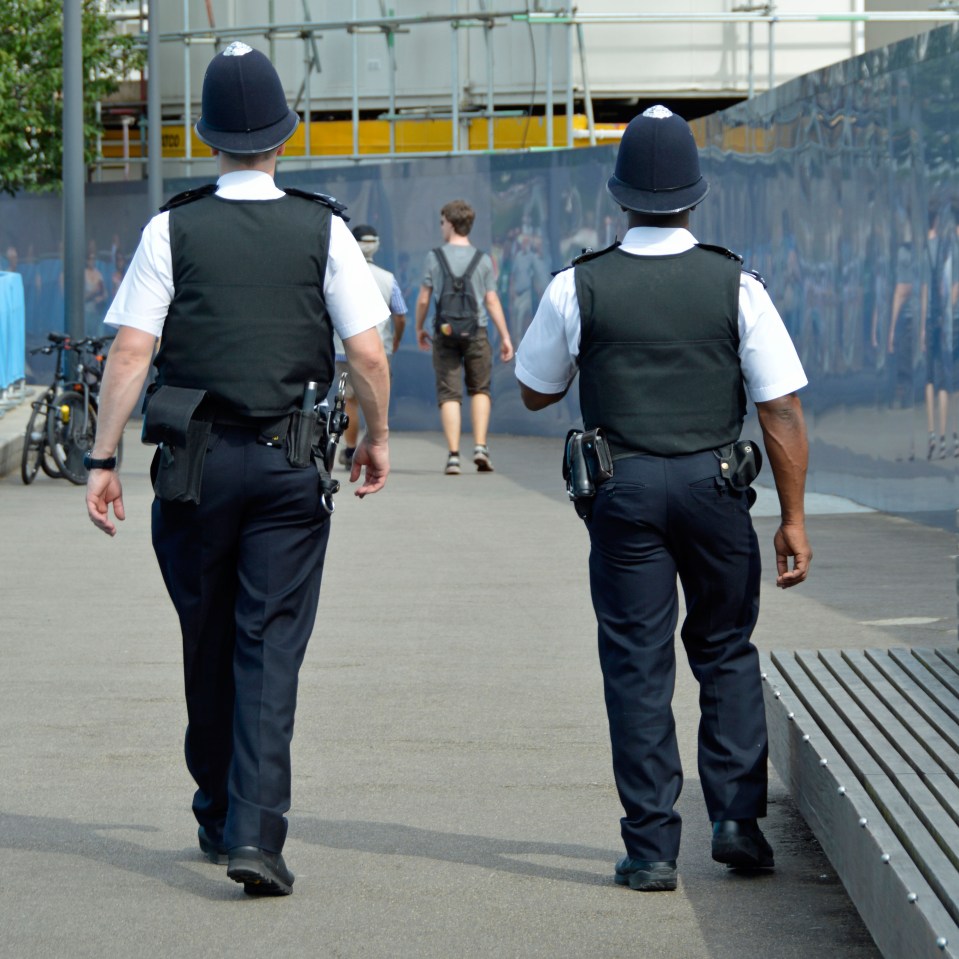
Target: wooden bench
867, 742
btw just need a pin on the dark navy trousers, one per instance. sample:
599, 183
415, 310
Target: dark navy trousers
656, 519
243, 568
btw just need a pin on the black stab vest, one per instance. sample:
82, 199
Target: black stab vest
248, 322
658, 363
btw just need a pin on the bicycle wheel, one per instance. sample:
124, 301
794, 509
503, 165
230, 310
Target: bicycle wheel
71, 428
35, 440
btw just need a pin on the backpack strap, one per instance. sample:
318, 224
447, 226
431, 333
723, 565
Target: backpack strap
447, 269
477, 256
443, 262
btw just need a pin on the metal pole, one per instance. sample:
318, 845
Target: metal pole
587, 96
752, 78
74, 227
187, 90
772, 54
570, 106
126, 121
271, 16
356, 86
455, 70
489, 88
154, 112
391, 63
549, 87
858, 29
391, 47
307, 97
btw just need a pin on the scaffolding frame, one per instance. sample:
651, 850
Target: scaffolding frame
565, 18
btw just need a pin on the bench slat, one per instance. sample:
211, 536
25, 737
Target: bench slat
908, 677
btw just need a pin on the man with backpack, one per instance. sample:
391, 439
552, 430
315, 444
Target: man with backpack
459, 278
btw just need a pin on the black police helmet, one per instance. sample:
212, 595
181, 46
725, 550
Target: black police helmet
364, 232
244, 108
657, 167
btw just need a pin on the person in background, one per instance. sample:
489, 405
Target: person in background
469, 352
390, 330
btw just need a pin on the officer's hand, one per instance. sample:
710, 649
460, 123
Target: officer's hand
376, 458
790, 541
423, 339
506, 351
104, 488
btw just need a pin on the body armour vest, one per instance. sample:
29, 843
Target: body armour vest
658, 362
248, 322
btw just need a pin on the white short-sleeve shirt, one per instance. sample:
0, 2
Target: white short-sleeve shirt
352, 298
546, 360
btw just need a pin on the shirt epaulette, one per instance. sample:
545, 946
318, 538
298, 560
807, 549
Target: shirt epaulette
188, 196
720, 249
733, 256
338, 208
587, 255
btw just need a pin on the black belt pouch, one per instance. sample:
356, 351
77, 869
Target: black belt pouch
301, 438
740, 463
169, 422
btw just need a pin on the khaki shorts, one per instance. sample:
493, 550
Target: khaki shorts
452, 358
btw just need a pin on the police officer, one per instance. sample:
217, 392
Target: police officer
669, 337
246, 283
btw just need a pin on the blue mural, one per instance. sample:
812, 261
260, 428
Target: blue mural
839, 187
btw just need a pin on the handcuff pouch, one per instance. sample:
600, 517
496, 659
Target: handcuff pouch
169, 421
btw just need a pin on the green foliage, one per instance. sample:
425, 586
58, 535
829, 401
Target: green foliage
31, 86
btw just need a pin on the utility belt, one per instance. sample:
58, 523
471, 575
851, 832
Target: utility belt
180, 421
588, 463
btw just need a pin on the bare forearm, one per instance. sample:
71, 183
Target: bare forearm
399, 327
126, 371
422, 307
370, 377
787, 447
496, 314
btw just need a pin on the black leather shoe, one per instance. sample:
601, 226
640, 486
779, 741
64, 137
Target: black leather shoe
645, 876
740, 844
262, 873
216, 852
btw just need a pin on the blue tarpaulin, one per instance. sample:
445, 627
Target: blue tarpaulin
12, 329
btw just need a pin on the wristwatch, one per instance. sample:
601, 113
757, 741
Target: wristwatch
110, 463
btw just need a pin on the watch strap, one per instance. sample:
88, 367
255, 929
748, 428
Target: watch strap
90, 463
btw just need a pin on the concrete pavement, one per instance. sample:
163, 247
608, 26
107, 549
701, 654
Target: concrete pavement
453, 795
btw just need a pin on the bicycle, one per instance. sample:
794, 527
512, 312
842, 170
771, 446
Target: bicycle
72, 425
37, 454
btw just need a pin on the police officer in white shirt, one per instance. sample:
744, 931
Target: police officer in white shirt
669, 337
245, 283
